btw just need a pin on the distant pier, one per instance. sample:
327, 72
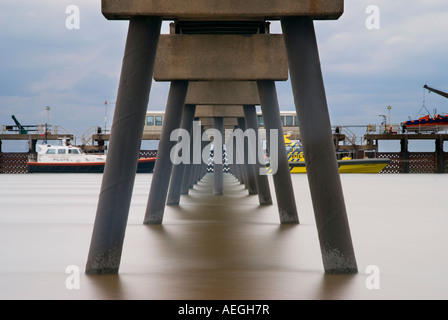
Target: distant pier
16, 162
403, 161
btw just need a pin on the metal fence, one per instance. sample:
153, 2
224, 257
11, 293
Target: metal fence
17, 162
417, 162
13, 162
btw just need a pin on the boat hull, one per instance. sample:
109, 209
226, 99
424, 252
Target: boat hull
426, 128
427, 124
347, 166
145, 165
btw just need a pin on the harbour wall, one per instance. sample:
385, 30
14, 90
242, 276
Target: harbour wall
16, 162
412, 162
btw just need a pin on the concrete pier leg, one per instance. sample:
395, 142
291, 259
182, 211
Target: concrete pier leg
239, 167
191, 174
32, 145
163, 167
404, 144
186, 181
282, 178
177, 175
248, 173
249, 167
124, 146
197, 174
440, 155
218, 179
315, 129
262, 183
236, 167
202, 167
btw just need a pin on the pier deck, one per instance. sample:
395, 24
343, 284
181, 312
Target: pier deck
33, 138
408, 162
410, 136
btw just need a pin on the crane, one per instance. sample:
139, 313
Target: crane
433, 124
439, 92
19, 126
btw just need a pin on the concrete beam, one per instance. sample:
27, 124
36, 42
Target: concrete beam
228, 123
204, 57
223, 93
13, 136
206, 111
222, 10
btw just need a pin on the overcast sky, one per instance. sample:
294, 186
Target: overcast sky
74, 71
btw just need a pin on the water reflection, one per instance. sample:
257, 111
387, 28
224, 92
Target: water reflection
107, 287
341, 286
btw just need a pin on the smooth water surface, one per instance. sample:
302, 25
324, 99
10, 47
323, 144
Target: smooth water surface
224, 247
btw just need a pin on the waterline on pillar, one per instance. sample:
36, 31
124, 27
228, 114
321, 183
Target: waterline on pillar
337, 263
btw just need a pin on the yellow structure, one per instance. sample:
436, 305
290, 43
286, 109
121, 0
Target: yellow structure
296, 161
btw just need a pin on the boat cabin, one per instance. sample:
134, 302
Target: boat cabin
64, 153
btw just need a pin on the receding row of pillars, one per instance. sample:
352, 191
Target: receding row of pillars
178, 115
184, 176
126, 133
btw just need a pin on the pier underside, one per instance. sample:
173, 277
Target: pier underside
201, 47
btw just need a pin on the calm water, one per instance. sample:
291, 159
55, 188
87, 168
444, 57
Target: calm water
224, 247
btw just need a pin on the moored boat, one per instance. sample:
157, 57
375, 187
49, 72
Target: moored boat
368, 165
427, 123
71, 159
296, 161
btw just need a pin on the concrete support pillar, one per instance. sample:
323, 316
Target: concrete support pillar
191, 175
196, 176
163, 167
204, 165
198, 169
404, 143
440, 155
32, 145
202, 170
218, 182
188, 169
191, 170
261, 180
177, 175
315, 129
124, 146
248, 173
236, 167
282, 178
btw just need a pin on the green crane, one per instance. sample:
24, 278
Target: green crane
19, 126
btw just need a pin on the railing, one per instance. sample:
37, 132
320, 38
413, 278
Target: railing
87, 137
13, 162
351, 138
418, 162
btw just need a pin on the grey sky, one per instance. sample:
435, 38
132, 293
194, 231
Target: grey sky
75, 71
